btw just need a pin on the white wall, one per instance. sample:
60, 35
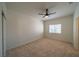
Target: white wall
66, 29
23, 25
75, 27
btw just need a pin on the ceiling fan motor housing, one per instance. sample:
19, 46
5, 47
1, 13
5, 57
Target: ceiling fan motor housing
47, 12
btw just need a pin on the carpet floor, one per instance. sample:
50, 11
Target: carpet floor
44, 48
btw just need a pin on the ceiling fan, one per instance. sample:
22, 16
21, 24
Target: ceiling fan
47, 13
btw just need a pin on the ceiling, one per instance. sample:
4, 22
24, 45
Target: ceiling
33, 8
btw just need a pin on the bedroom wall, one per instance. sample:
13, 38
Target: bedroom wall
66, 29
23, 25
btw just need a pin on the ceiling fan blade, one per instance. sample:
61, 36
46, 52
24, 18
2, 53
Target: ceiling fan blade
41, 14
52, 13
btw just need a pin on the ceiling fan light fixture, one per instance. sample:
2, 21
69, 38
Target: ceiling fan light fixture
46, 17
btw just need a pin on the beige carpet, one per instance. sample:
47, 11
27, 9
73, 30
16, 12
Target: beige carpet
44, 48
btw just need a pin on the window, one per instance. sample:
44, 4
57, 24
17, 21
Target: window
55, 28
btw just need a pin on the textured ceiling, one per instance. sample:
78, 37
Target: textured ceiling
33, 8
